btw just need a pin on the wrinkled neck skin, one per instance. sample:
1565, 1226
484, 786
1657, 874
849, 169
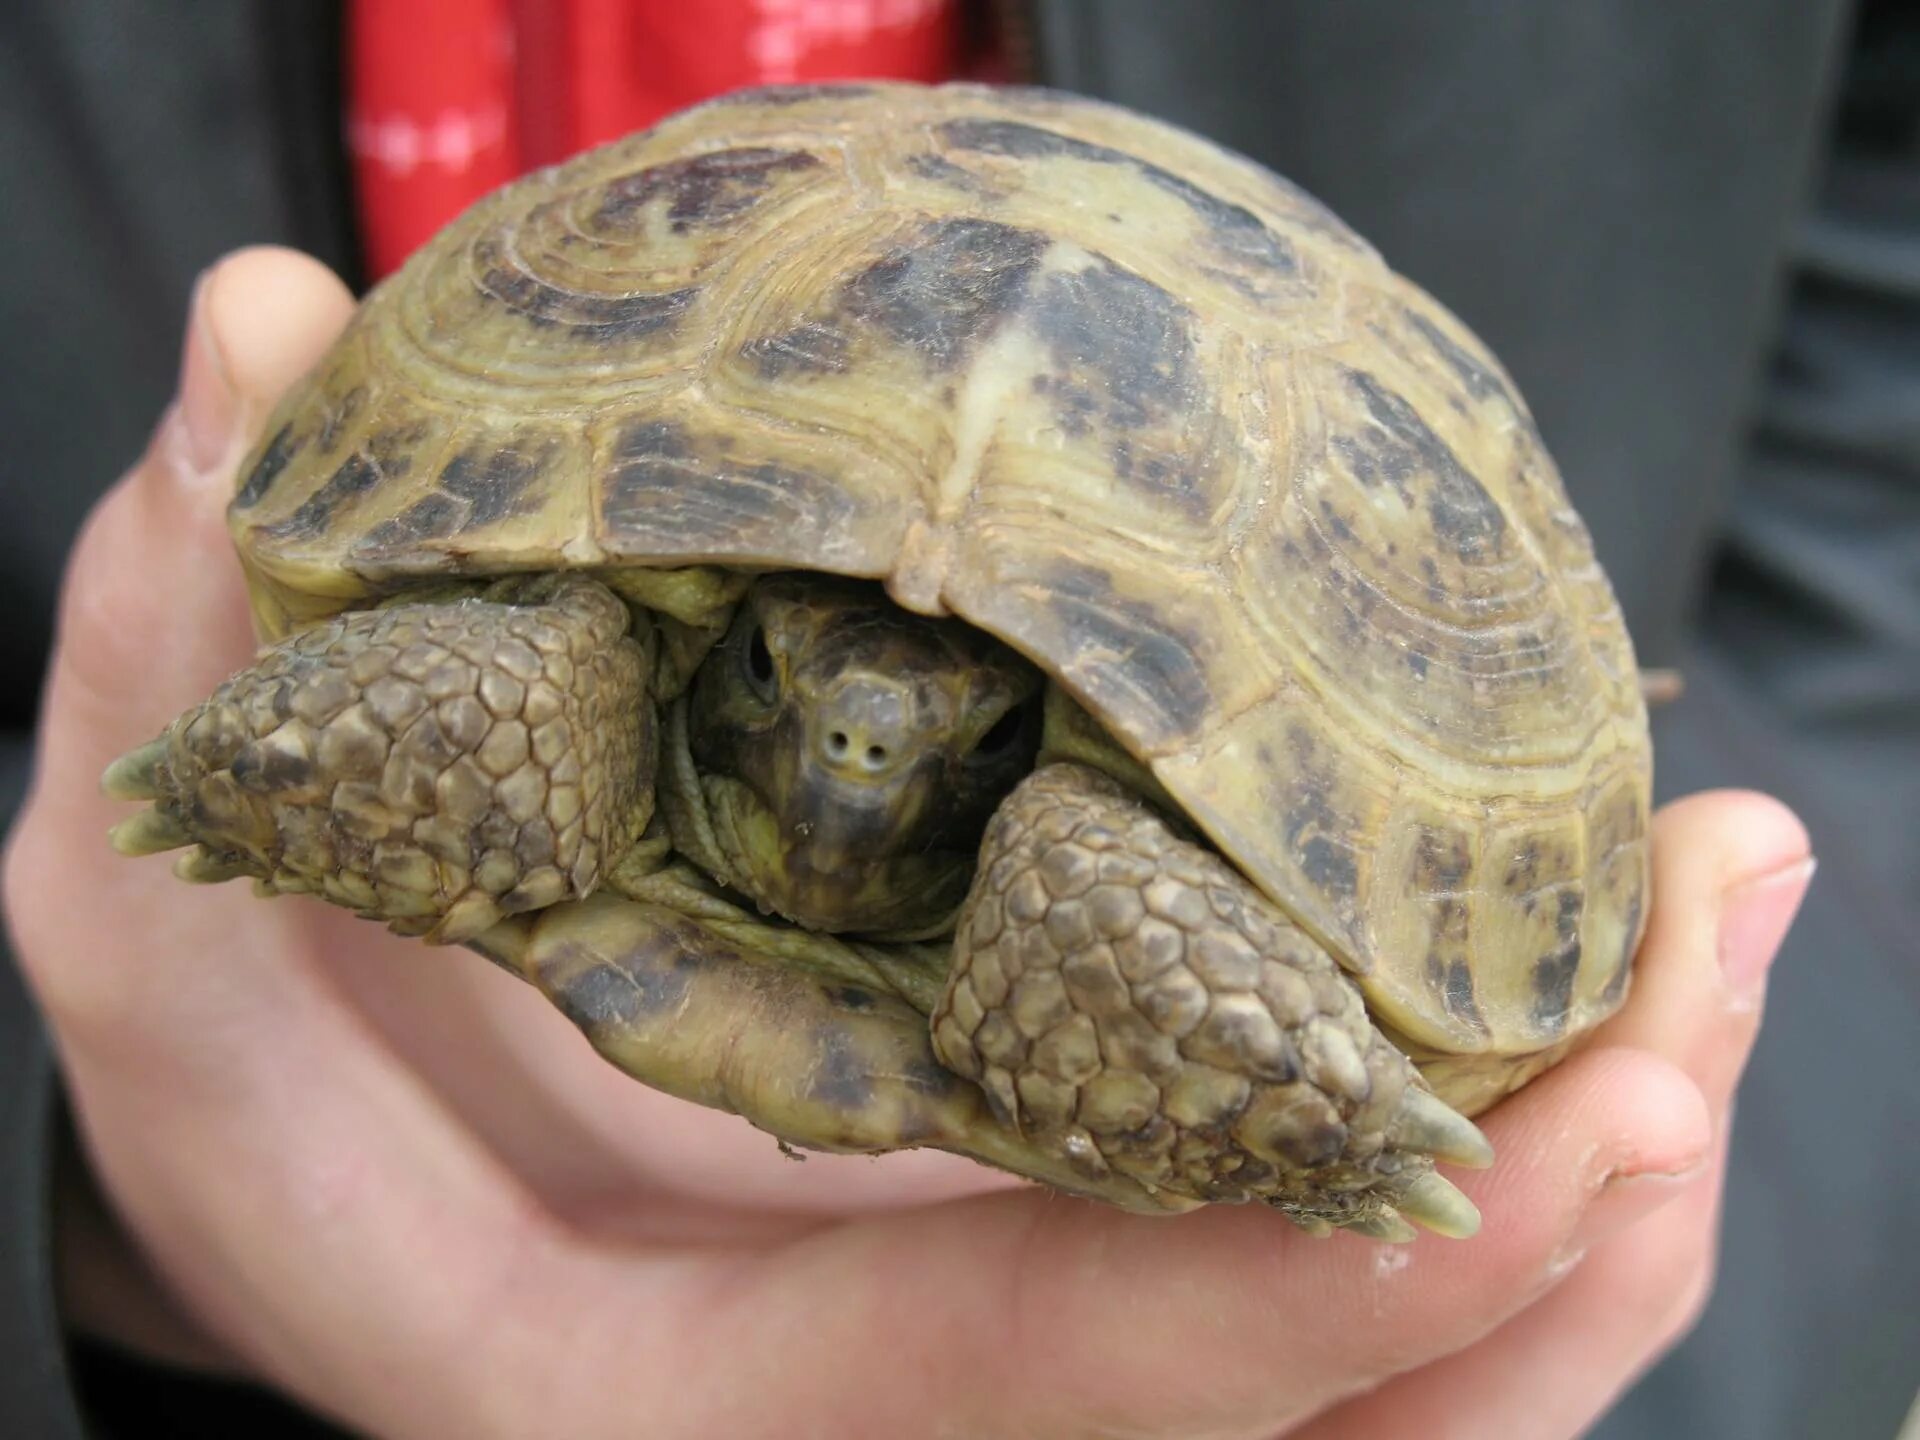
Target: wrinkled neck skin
849, 755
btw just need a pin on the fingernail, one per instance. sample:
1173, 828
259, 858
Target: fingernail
1754, 918
1624, 1199
208, 401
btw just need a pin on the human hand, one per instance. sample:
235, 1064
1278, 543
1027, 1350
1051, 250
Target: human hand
396, 1184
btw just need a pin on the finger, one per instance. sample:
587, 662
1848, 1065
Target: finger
297, 1185
1730, 870
1032, 1314
1561, 1363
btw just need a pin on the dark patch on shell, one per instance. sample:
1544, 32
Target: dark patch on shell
432, 517
945, 288
683, 493
1234, 228
315, 515
600, 318
701, 190
1336, 523
808, 349
1129, 339
1310, 825
1327, 864
477, 487
1456, 994
1616, 985
280, 450
942, 171
1441, 862
339, 416
1481, 382
1403, 451
1553, 974
1161, 672
493, 483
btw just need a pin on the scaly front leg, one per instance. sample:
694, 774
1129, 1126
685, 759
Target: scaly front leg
434, 765
1129, 1001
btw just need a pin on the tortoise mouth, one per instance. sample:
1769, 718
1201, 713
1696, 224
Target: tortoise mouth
832, 869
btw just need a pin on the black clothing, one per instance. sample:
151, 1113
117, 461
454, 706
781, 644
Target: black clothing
1614, 196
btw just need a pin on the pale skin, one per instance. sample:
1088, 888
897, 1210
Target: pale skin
398, 1186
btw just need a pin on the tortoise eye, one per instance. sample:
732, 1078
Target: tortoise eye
1003, 736
757, 663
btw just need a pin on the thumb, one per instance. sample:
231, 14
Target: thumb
259, 320
153, 609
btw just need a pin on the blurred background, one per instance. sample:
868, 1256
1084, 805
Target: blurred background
1690, 228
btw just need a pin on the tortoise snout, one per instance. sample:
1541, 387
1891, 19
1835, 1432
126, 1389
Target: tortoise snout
865, 732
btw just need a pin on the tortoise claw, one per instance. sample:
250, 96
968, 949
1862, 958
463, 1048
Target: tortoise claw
1435, 1202
1382, 1224
1428, 1124
201, 866
136, 774
149, 833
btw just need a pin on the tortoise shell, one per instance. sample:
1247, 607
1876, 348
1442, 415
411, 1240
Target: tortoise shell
1133, 404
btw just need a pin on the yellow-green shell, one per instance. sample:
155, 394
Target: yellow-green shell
1133, 404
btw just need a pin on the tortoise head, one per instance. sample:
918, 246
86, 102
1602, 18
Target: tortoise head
851, 753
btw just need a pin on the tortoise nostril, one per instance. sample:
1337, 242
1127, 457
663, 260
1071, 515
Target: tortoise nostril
838, 745
876, 756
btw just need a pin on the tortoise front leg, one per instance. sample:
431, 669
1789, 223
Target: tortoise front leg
433, 765
1129, 1001
742, 1016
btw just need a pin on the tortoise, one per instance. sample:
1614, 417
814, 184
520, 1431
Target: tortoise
949, 616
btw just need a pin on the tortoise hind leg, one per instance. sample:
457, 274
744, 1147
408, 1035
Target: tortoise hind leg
433, 765
1128, 999
754, 1018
